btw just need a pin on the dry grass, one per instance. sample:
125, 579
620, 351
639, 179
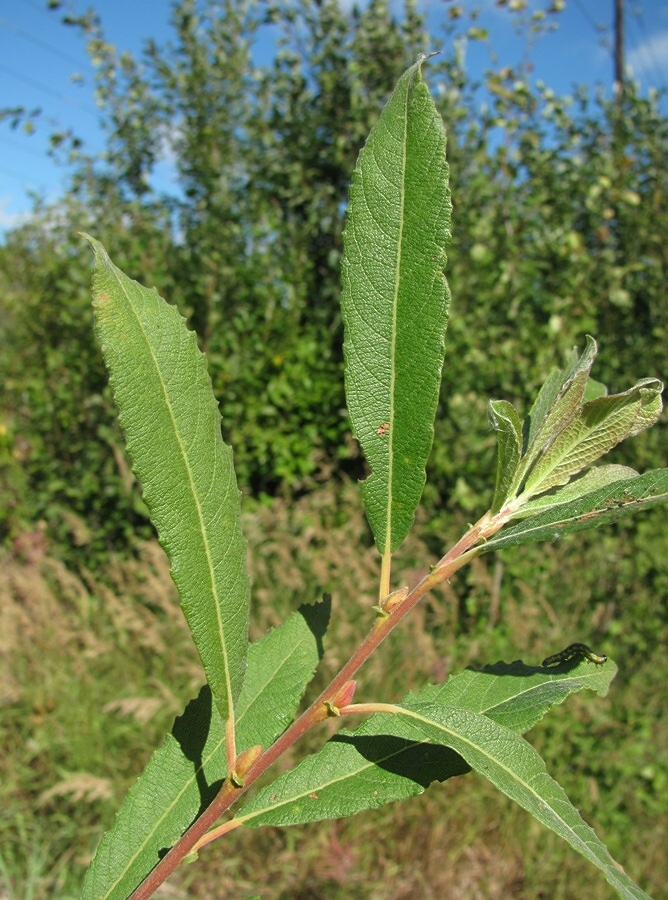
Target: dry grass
92, 673
93, 669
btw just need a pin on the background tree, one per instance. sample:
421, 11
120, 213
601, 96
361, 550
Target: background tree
559, 214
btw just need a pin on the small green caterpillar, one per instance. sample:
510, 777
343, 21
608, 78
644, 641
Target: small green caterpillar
573, 651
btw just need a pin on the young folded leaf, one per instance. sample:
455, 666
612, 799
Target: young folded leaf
555, 405
395, 302
571, 424
596, 428
172, 428
506, 422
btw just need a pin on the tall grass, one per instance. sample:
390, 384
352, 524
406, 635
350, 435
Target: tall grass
94, 667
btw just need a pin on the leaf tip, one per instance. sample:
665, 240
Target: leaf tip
98, 250
87, 237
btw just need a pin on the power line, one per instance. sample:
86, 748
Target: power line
22, 147
600, 29
619, 47
38, 86
15, 175
39, 8
647, 47
39, 43
597, 27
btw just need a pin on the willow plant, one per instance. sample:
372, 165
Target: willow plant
395, 303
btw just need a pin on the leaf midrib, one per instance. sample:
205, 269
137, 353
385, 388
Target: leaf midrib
193, 491
395, 314
204, 762
589, 852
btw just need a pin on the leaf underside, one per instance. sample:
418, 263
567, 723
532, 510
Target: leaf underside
571, 424
171, 423
185, 773
599, 507
440, 732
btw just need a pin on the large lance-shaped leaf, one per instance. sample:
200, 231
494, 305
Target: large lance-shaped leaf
185, 773
395, 302
371, 766
172, 428
416, 731
515, 768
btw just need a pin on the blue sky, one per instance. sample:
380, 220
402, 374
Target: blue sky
39, 56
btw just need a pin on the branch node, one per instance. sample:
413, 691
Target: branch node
390, 603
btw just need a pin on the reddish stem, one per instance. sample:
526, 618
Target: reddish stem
318, 710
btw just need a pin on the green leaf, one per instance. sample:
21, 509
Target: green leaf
572, 423
607, 504
516, 695
557, 402
280, 666
542, 405
395, 302
172, 428
371, 766
593, 479
185, 773
515, 768
593, 390
506, 422
354, 771
596, 428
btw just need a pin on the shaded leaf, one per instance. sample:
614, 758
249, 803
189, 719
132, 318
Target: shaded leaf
515, 768
373, 765
186, 772
354, 771
515, 694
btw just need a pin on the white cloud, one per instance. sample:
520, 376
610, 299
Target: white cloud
9, 220
650, 58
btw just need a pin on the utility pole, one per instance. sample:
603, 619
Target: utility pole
619, 48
